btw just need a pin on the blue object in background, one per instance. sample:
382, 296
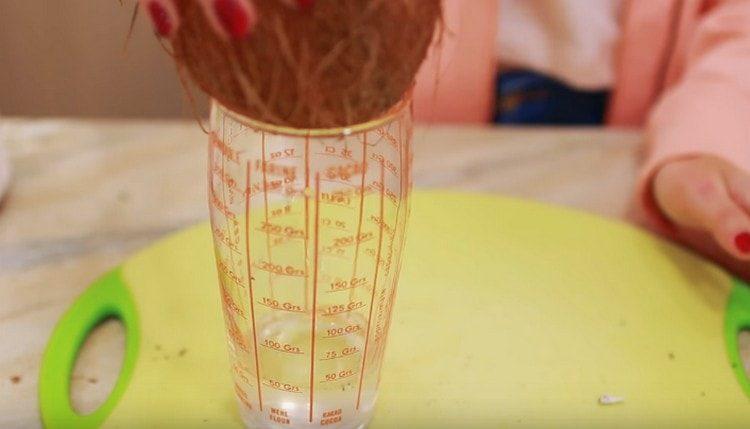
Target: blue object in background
524, 97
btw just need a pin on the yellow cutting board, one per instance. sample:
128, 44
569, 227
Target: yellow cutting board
509, 314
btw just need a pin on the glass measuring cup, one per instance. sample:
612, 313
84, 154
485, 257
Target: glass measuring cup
308, 230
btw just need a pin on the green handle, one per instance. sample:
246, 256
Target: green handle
738, 320
107, 297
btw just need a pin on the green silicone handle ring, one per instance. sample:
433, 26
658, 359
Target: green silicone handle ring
107, 297
737, 320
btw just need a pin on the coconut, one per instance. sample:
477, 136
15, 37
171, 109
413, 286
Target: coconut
338, 63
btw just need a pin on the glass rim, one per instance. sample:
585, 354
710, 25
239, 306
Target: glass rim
397, 110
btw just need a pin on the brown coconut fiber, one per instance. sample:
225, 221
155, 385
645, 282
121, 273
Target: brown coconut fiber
342, 62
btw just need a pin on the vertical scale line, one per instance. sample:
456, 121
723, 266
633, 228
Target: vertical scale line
390, 278
228, 228
395, 272
263, 168
250, 286
374, 287
316, 263
227, 221
223, 180
307, 222
361, 210
210, 178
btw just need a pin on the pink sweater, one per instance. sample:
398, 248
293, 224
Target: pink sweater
683, 72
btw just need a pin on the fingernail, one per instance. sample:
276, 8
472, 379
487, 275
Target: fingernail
160, 18
742, 241
233, 17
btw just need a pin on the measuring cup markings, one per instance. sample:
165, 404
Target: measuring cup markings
238, 340
251, 286
329, 252
386, 163
231, 309
333, 224
312, 243
282, 230
265, 186
331, 416
225, 269
341, 285
286, 153
226, 151
372, 253
351, 240
404, 184
278, 241
225, 240
287, 172
345, 153
316, 264
235, 335
380, 223
360, 213
342, 331
338, 376
241, 372
337, 204
344, 172
306, 196
336, 309
225, 178
279, 416
385, 298
266, 209
340, 197
392, 141
281, 347
340, 182
236, 132
242, 395
341, 289
372, 299
221, 207
284, 387
281, 306
378, 186
344, 353
280, 270
229, 302
282, 211
230, 221
274, 186
385, 308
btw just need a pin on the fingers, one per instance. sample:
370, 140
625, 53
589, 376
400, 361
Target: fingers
738, 185
730, 226
697, 196
163, 14
233, 19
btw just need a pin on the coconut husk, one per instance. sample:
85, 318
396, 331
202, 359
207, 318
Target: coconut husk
341, 62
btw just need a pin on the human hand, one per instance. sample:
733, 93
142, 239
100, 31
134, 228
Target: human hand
707, 197
229, 18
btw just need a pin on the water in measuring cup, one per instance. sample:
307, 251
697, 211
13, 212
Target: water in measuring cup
287, 402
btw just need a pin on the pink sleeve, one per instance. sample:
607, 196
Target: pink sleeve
455, 84
707, 112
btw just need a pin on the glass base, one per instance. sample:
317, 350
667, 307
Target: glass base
256, 420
